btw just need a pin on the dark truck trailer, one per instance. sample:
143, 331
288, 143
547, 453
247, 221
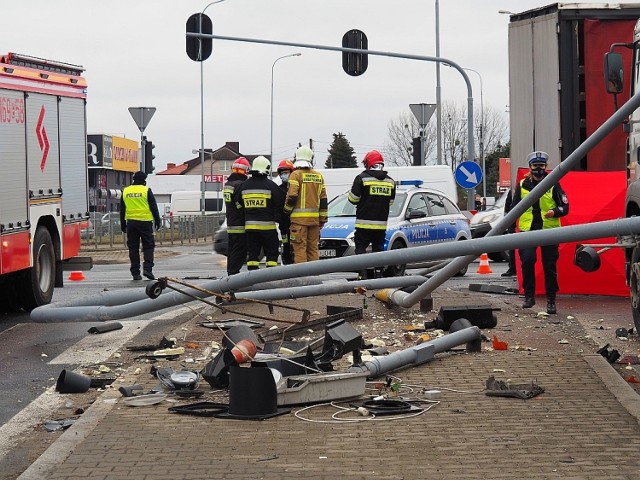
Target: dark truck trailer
556, 80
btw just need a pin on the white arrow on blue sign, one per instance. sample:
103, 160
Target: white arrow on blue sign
468, 174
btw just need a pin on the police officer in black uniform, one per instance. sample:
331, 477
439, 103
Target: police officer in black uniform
372, 193
237, 250
262, 203
138, 215
543, 214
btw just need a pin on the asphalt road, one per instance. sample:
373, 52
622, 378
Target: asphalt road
34, 354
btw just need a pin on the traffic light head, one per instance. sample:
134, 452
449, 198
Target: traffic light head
199, 49
149, 156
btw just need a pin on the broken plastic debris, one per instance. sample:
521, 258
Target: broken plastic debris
499, 345
169, 351
499, 388
563, 341
632, 379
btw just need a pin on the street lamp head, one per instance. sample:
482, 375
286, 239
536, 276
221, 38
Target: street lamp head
505, 12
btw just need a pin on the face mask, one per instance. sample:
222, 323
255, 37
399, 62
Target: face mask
284, 177
538, 172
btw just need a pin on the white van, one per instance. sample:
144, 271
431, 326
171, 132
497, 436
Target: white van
436, 177
187, 202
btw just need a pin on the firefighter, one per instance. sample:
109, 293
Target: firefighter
543, 214
372, 192
138, 215
306, 203
262, 202
285, 167
237, 250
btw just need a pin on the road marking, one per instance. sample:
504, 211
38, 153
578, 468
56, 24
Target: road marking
92, 349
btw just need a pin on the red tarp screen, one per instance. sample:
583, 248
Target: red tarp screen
610, 154
593, 197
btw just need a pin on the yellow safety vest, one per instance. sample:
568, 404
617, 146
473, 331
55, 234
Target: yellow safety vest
546, 203
136, 203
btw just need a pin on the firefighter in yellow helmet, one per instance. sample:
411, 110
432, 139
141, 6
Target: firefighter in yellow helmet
306, 203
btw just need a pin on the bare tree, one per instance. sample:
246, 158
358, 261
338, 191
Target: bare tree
404, 128
401, 132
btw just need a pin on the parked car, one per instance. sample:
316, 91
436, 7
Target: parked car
87, 231
485, 220
221, 240
418, 216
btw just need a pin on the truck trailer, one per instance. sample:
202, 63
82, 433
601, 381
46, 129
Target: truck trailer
556, 98
43, 186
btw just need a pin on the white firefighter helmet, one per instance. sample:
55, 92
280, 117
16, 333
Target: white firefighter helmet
261, 165
304, 157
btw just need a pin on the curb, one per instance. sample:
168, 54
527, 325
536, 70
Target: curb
620, 389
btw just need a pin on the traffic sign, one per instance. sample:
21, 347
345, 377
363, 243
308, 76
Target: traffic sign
468, 174
142, 116
422, 112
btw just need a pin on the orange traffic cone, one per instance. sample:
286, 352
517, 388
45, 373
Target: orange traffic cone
76, 276
484, 264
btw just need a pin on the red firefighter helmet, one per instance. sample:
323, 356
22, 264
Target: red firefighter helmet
372, 158
285, 165
241, 165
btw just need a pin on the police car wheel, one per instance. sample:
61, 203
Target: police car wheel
395, 270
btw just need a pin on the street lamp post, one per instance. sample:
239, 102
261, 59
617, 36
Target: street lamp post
273, 65
481, 134
438, 95
202, 199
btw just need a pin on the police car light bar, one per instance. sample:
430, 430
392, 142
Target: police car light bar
414, 183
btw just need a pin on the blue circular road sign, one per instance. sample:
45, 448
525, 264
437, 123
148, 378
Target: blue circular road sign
468, 174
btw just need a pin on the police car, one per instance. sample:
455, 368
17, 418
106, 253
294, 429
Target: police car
418, 216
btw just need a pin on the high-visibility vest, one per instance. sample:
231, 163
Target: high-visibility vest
136, 203
546, 203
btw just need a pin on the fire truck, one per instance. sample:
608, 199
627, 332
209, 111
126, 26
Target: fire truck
43, 181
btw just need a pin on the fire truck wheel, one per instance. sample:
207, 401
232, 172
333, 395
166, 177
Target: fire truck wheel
39, 280
634, 286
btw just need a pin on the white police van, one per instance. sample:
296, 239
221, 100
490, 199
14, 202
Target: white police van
418, 216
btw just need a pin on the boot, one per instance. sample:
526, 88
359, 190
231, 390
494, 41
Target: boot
551, 304
528, 302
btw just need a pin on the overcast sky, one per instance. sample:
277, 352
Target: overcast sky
134, 55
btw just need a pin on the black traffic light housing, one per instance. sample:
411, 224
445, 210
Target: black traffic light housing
417, 145
355, 63
148, 156
199, 49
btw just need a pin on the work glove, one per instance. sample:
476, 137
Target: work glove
158, 225
123, 227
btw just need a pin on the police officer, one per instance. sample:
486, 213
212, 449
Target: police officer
306, 203
262, 202
543, 214
285, 167
237, 250
372, 192
138, 215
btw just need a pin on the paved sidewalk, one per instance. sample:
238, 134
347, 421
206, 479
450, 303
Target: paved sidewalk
585, 425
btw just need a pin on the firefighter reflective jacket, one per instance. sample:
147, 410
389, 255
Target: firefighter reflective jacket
261, 202
235, 217
306, 197
372, 193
